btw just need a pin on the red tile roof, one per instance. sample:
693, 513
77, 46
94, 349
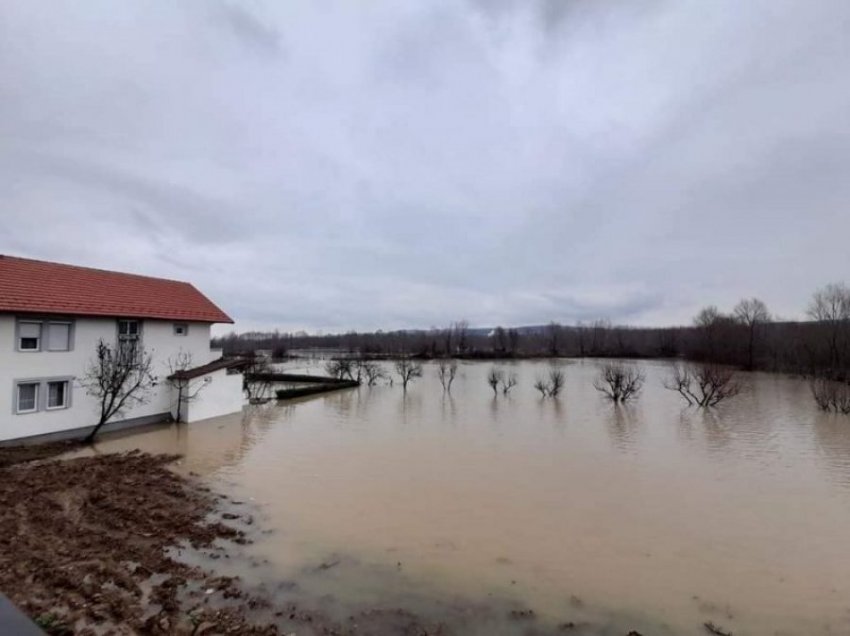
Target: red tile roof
52, 288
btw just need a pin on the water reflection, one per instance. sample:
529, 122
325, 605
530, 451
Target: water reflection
623, 426
448, 409
832, 445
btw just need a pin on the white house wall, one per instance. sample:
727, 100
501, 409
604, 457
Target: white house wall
158, 338
219, 393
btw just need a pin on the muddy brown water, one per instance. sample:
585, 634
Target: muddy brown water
650, 516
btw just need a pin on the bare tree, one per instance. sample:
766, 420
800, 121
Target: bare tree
187, 388
708, 321
494, 377
619, 382
461, 332
372, 371
553, 331
551, 386
256, 379
446, 371
831, 395
340, 368
752, 313
500, 340
704, 385
831, 307
599, 336
540, 385
119, 378
556, 381
513, 341
509, 381
408, 370
580, 334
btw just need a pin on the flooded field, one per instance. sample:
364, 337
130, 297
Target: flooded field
650, 517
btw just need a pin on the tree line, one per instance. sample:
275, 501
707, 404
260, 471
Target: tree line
747, 336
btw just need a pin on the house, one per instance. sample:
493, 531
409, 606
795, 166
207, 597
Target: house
52, 317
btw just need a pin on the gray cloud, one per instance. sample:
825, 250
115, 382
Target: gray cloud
332, 165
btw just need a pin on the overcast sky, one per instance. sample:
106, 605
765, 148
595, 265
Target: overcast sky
382, 164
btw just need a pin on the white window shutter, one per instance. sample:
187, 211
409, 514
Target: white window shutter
58, 337
30, 330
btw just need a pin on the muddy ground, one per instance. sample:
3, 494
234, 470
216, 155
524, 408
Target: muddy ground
87, 547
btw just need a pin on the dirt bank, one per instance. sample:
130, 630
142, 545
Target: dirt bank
83, 546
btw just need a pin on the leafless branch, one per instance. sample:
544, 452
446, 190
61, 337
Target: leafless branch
619, 382
446, 371
494, 377
408, 370
119, 379
372, 371
831, 395
704, 385
508, 382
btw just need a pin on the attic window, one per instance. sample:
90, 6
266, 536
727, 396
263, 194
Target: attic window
181, 329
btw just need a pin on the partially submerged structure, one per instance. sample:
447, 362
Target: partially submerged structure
52, 317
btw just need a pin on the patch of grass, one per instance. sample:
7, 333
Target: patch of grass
53, 625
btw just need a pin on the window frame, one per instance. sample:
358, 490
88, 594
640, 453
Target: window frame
66, 403
65, 323
44, 323
42, 393
19, 336
35, 402
135, 338
181, 325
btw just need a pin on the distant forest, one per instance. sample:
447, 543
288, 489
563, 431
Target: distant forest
747, 337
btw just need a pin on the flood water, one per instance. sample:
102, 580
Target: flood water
654, 516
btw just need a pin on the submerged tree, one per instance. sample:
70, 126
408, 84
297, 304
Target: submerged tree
619, 382
509, 381
831, 395
542, 387
556, 381
552, 385
256, 379
340, 368
446, 371
408, 370
704, 385
494, 377
119, 378
372, 371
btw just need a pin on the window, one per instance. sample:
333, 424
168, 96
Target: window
128, 338
128, 329
181, 329
29, 336
57, 394
42, 334
58, 336
42, 394
27, 397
